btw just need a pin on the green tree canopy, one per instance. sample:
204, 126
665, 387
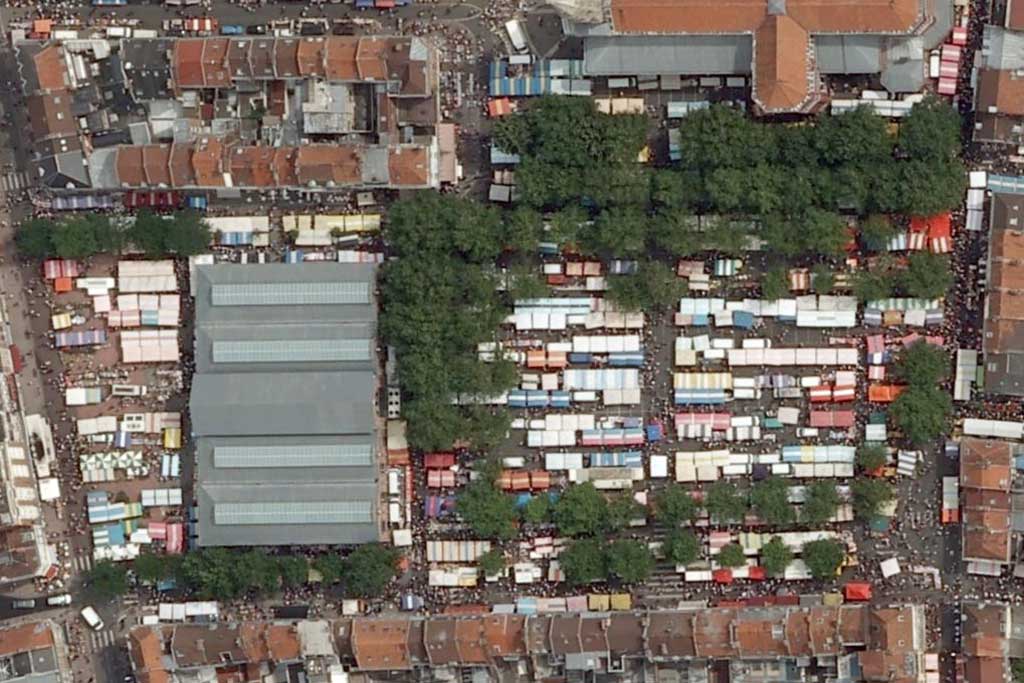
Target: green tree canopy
630, 561
584, 561
581, 511
34, 239
921, 413
523, 229
820, 503
368, 570
680, 547
871, 456
622, 509
489, 512
775, 284
151, 568
928, 275
214, 573
725, 503
294, 570
492, 562
776, 556
331, 566
653, 288
875, 232
770, 499
618, 232
187, 234
871, 285
869, 495
922, 364
731, 555
675, 232
822, 279
106, 581
75, 239
931, 132
258, 571
823, 558
538, 509
674, 505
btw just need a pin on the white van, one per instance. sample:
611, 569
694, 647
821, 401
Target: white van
55, 600
128, 390
514, 29
92, 618
514, 463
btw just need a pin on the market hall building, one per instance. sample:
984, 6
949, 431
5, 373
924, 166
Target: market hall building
282, 405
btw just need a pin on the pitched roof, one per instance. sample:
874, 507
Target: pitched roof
985, 464
409, 166
781, 63
381, 644
328, 165
51, 72
1000, 92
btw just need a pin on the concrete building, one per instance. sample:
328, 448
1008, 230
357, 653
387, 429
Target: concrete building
1003, 337
282, 404
788, 48
852, 643
34, 652
230, 114
999, 93
986, 475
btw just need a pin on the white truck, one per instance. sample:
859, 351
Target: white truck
516, 35
128, 390
92, 618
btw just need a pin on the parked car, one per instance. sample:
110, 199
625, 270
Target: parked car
232, 30
24, 604
54, 600
92, 618
256, 30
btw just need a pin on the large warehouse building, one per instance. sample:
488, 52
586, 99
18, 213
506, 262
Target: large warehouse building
282, 404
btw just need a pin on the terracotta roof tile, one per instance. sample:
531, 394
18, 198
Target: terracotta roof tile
50, 115
252, 166
469, 640
592, 635
1007, 275
130, 170
145, 646
824, 631
1000, 91
565, 635
760, 638
286, 63
853, 624
409, 166
156, 165
284, 166
670, 636
439, 636
1015, 15
891, 630
981, 544
216, 73
181, 166
341, 58
187, 62
261, 55
207, 163
51, 72
370, 59
505, 635
984, 670
310, 56
24, 638
194, 645
711, 635
855, 16
381, 644
1007, 244
781, 64
328, 165
1006, 305
238, 58
985, 464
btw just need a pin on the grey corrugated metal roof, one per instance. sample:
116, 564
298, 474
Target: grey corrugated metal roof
648, 55
848, 54
902, 77
213, 471
207, 335
217, 527
280, 404
1002, 49
287, 276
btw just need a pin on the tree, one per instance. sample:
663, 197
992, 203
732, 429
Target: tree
74, 239
330, 566
492, 563
294, 570
921, 413
922, 364
775, 284
724, 503
775, 556
581, 511
584, 561
871, 285
148, 232
854, 136
151, 568
731, 555
928, 275
675, 232
654, 287
34, 239
368, 570
872, 456
631, 561
1017, 670
674, 506
680, 547
824, 233
823, 558
931, 131
537, 510
524, 283
106, 581
821, 500
622, 509
822, 279
214, 573
875, 232
567, 225
869, 495
188, 234
522, 230
489, 512
770, 498
617, 232
259, 572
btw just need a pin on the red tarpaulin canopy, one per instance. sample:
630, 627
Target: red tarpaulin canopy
722, 575
438, 460
857, 591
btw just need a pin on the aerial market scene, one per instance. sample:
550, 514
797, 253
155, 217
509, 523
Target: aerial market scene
606, 341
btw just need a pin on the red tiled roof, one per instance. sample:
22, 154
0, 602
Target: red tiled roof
286, 62
381, 644
328, 165
781, 64
130, 169
156, 164
311, 55
215, 71
50, 69
188, 62
181, 166
24, 638
370, 59
341, 58
985, 464
252, 166
409, 167
146, 652
207, 163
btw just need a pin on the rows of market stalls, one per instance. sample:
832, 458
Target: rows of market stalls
729, 387
116, 326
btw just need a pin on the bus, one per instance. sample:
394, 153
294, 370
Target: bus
516, 35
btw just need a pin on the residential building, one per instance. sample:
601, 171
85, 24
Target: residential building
855, 643
34, 652
230, 114
788, 48
993, 633
999, 91
986, 471
283, 404
1003, 336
